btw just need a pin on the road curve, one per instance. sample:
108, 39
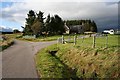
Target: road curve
18, 60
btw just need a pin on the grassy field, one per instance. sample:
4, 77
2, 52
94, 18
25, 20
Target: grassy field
80, 60
100, 41
47, 38
13, 36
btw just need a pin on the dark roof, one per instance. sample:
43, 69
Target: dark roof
75, 26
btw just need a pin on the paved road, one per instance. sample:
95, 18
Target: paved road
18, 60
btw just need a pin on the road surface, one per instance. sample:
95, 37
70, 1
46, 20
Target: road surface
18, 60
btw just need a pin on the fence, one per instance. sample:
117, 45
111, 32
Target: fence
87, 41
29, 37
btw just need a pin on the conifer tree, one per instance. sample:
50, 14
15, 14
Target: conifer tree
29, 23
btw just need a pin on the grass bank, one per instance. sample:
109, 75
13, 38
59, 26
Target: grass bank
50, 66
8, 41
81, 61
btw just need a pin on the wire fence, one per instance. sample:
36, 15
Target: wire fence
90, 41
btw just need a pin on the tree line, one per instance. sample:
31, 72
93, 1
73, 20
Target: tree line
89, 25
37, 25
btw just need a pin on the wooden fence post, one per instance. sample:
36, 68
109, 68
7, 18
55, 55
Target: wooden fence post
93, 42
62, 39
57, 40
106, 41
82, 39
69, 38
75, 40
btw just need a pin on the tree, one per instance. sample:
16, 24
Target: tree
36, 28
38, 24
54, 25
40, 16
47, 24
34, 23
93, 27
29, 23
59, 25
16, 31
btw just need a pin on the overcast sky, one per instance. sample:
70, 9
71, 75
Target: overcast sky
103, 12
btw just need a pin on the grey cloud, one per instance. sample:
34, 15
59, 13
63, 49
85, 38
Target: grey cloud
103, 13
15, 12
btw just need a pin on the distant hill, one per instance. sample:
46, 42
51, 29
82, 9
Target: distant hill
2, 29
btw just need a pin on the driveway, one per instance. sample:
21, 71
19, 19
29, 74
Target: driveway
18, 60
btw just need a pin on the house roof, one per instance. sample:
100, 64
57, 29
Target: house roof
75, 26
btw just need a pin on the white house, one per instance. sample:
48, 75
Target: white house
67, 29
111, 31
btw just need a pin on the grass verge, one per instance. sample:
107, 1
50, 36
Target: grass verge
49, 66
81, 61
5, 44
8, 41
